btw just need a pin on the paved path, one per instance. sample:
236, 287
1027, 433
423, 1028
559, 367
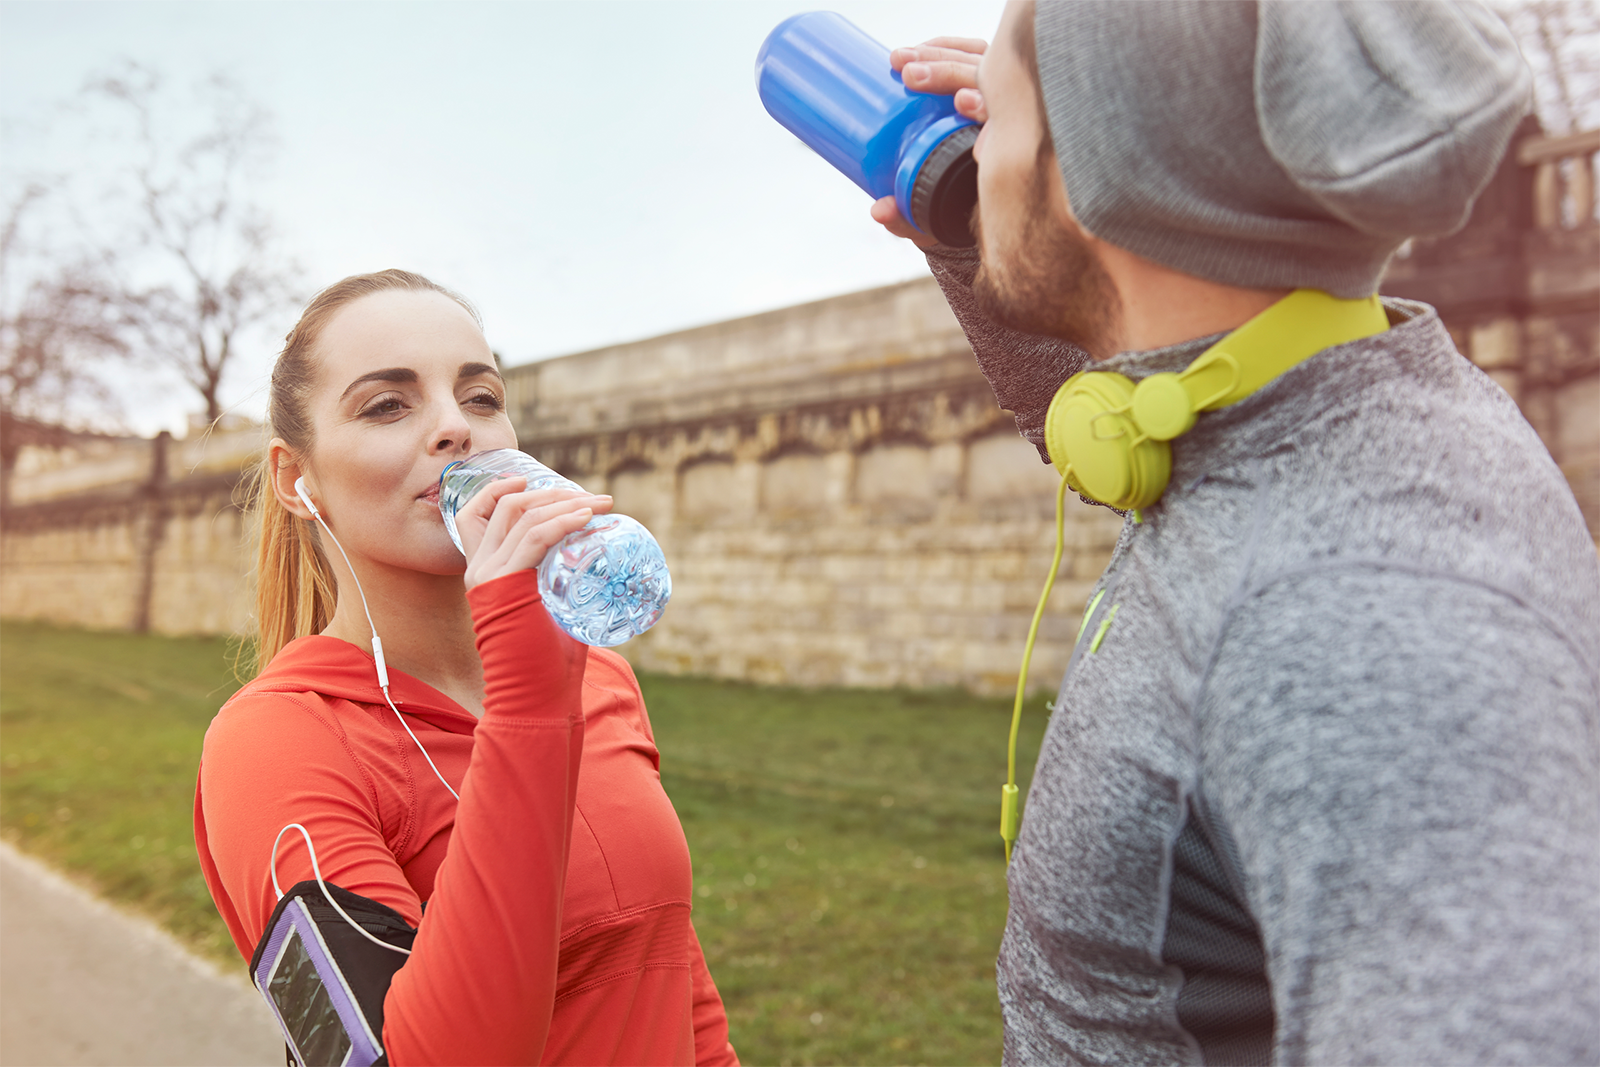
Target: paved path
84, 983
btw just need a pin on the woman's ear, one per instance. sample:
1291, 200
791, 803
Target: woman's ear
286, 470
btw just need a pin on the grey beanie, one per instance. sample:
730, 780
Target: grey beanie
1280, 142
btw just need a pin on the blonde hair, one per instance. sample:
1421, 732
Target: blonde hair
295, 588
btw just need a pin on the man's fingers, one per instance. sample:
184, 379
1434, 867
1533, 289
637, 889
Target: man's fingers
928, 54
945, 49
975, 45
969, 102
886, 213
941, 78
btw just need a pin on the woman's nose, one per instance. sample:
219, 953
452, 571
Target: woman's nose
451, 435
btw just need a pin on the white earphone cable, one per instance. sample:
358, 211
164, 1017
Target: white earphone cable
317, 871
377, 645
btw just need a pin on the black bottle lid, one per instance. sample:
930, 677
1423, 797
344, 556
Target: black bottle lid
946, 190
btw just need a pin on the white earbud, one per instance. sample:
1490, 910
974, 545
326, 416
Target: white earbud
305, 497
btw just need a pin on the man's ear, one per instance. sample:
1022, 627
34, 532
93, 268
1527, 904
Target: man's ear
285, 469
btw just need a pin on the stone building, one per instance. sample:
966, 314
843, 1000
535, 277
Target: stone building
838, 496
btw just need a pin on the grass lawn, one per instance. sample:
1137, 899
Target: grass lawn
849, 885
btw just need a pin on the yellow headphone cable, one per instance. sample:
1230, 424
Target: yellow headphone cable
1109, 437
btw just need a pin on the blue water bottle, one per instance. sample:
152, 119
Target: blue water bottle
831, 85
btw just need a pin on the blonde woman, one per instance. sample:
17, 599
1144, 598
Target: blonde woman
508, 778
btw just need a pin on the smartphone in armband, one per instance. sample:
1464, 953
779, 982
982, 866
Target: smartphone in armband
324, 979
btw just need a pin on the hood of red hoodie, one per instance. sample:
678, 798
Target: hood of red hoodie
336, 668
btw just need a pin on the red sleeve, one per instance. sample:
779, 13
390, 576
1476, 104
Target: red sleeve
272, 759
711, 1045
480, 984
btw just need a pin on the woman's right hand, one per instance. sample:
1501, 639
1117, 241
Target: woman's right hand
504, 530
944, 66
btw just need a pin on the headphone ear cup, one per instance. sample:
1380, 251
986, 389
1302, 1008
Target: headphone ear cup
1089, 429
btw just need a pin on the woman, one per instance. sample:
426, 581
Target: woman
558, 885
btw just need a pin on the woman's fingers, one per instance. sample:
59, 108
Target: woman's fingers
525, 526
519, 512
536, 542
528, 542
473, 520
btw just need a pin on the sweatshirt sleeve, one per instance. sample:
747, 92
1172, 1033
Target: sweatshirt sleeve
276, 758
480, 984
1408, 767
711, 1045
1024, 369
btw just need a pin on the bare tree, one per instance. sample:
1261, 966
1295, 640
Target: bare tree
200, 263
57, 330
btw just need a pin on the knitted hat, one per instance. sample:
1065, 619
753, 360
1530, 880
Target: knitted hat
1279, 143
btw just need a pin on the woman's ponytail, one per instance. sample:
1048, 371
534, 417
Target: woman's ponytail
296, 591
295, 587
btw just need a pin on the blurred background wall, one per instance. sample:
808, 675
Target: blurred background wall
839, 497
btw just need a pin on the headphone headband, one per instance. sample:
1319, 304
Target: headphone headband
1109, 436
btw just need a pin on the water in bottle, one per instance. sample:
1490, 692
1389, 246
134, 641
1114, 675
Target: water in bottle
602, 584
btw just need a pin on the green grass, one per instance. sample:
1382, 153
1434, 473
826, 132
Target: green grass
99, 740
850, 890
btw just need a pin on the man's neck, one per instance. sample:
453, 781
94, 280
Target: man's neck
1162, 306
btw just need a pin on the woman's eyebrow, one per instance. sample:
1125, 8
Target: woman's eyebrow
472, 370
388, 374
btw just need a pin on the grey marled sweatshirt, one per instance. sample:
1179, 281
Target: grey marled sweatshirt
1322, 784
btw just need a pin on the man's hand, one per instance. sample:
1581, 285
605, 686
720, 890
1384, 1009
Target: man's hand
944, 66
504, 530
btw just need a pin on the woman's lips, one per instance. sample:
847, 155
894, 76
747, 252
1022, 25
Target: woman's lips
432, 495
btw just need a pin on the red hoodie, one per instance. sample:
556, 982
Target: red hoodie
557, 927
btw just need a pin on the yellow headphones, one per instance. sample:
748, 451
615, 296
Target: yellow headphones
1109, 437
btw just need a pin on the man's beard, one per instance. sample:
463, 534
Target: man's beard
1051, 283
1054, 288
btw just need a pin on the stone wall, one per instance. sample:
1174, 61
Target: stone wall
127, 533
839, 498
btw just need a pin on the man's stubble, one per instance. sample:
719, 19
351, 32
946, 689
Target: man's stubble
1050, 283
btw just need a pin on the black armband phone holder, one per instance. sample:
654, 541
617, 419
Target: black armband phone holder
323, 980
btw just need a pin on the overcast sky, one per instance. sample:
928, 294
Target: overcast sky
585, 172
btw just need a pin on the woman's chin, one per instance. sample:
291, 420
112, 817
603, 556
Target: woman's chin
447, 564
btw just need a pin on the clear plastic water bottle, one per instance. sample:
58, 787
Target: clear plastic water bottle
602, 584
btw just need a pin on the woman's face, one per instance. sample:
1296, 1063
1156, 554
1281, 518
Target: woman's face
406, 385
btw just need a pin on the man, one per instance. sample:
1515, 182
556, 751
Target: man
1321, 783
